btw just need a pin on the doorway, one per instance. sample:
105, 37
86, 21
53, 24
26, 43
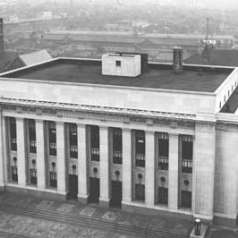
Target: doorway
73, 186
116, 193
94, 190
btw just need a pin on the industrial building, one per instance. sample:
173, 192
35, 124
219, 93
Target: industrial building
124, 132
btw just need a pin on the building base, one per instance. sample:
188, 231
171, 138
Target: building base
83, 200
225, 221
45, 194
103, 203
2, 188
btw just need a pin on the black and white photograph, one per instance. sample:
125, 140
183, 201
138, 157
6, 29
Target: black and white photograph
118, 119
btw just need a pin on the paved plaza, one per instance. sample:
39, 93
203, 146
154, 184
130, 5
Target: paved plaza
25, 216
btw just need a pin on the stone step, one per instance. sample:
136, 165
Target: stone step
4, 234
95, 223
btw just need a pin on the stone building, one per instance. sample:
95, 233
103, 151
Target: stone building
137, 135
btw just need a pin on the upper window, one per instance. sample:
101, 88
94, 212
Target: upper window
118, 63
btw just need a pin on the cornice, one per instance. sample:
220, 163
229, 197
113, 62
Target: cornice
59, 108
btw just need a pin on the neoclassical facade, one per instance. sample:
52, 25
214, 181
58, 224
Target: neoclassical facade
154, 140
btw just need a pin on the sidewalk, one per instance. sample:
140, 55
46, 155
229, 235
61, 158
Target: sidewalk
222, 232
92, 216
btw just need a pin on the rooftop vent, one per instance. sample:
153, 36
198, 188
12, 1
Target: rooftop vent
121, 64
178, 59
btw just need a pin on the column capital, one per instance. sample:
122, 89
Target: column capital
173, 134
126, 129
39, 120
59, 122
80, 125
103, 127
150, 132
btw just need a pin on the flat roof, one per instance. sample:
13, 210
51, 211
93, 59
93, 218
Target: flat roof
156, 76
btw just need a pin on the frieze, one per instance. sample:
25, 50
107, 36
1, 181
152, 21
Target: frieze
124, 115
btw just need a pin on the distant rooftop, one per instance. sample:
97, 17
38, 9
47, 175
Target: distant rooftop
35, 57
222, 57
157, 76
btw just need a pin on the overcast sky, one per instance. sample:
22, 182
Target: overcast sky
222, 4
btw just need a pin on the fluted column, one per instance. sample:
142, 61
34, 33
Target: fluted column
21, 151
173, 171
204, 170
82, 164
61, 163
126, 167
149, 168
40, 154
104, 167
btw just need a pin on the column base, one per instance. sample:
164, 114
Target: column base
104, 203
225, 221
2, 188
83, 199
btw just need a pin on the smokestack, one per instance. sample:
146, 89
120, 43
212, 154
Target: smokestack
178, 59
1, 36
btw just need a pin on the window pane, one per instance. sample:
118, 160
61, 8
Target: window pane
163, 147
187, 150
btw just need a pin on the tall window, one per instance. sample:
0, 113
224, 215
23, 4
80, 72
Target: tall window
13, 133
140, 148
73, 141
14, 171
94, 143
139, 189
52, 138
53, 175
163, 143
117, 145
33, 173
32, 136
187, 154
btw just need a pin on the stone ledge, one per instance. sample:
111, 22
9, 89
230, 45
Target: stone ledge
36, 193
225, 221
134, 208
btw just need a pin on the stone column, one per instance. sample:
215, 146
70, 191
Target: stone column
82, 164
1, 153
149, 168
61, 163
21, 151
104, 167
203, 167
40, 154
173, 172
126, 167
